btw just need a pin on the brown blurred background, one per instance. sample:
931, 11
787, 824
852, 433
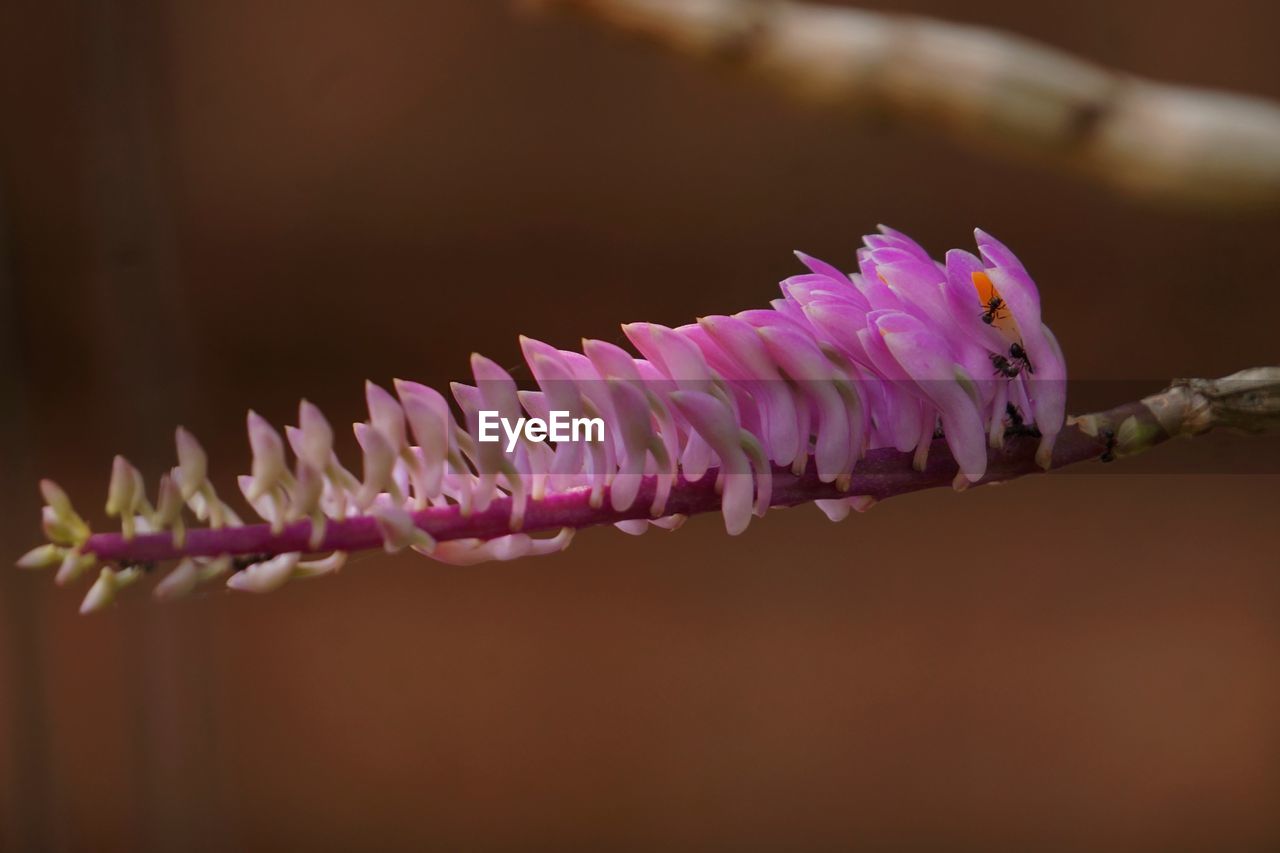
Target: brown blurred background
213, 206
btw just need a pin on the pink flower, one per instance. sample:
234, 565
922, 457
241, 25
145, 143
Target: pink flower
894, 356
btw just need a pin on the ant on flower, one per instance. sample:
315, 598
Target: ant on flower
1016, 425
995, 309
1004, 367
1019, 356
1108, 437
1014, 364
994, 306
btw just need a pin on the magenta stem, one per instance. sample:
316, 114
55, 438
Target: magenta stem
882, 474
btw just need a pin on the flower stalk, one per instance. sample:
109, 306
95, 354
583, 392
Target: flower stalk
1247, 401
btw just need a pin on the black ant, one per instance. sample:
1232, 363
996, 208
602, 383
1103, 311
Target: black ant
1016, 425
1004, 367
1109, 437
1011, 367
244, 561
994, 305
1020, 357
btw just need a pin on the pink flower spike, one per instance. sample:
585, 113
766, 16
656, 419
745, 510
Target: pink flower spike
833, 393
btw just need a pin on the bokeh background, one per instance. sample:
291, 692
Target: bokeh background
208, 207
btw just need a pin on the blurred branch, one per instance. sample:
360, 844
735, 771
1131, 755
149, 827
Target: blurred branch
1247, 401
1166, 142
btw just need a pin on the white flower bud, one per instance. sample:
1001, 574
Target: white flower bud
56, 529
74, 564
168, 502
266, 576
268, 467
212, 569
326, 566
835, 510
399, 531
66, 515
428, 415
379, 461
128, 577
179, 583
193, 464
122, 491
315, 445
308, 489
385, 415
102, 593
42, 557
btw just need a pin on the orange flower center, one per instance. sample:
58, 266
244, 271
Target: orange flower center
995, 312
